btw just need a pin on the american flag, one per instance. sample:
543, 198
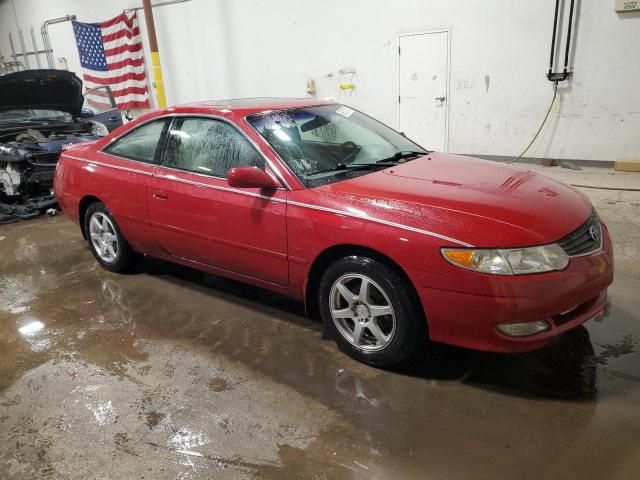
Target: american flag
111, 54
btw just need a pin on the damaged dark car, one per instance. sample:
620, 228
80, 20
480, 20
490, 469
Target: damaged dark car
41, 111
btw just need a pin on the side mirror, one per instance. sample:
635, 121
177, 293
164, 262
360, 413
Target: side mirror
251, 177
86, 113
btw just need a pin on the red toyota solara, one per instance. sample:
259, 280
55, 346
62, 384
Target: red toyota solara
391, 244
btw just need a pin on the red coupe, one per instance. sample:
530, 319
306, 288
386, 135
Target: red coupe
391, 244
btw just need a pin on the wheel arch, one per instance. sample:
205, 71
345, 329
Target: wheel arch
336, 252
84, 204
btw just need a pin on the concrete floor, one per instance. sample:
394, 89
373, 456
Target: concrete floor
172, 373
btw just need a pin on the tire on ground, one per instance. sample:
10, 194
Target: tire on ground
125, 256
410, 329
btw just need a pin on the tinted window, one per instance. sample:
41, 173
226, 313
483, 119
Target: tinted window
208, 146
140, 144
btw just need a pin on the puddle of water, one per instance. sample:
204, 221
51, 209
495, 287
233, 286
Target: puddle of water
188, 367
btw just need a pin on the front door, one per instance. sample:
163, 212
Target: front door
100, 103
122, 172
197, 216
423, 88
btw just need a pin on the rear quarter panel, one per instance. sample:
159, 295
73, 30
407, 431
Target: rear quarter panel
66, 194
119, 183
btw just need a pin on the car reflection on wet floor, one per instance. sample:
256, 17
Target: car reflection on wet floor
173, 372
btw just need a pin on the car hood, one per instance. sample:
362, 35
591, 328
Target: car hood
479, 202
41, 89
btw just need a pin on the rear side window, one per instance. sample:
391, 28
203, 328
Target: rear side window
140, 144
208, 146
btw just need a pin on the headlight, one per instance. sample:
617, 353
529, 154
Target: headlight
99, 129
513, 261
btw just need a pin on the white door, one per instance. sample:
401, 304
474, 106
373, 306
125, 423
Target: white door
423, 88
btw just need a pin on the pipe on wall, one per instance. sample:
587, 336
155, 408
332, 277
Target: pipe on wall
566, 71
159, 4
44, 31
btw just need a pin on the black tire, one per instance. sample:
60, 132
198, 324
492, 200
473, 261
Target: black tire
124, 257
410, 331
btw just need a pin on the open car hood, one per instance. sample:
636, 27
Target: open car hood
41, 89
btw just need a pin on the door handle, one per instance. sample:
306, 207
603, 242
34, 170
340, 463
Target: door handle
442, 99
160, 195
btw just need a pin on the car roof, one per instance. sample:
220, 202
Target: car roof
247, 106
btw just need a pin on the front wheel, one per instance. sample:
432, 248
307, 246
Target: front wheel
106, 242
369, 309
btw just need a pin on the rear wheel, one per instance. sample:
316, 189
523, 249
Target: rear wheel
106, 242
369, 309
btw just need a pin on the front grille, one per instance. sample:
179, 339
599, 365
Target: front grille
585, 239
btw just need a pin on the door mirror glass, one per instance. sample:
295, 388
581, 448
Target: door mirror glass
250, 177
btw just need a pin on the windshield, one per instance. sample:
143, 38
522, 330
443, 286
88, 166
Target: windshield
28, 114
330, 143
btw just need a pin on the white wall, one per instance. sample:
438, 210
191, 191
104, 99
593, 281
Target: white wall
235, 48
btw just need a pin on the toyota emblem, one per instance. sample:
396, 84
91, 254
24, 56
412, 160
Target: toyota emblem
593, 231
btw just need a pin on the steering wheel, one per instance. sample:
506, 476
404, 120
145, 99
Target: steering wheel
354, 150
294, 150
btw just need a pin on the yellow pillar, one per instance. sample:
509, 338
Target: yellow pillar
157, 79
155, 54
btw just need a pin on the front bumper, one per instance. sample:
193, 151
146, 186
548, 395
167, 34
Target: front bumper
464, 308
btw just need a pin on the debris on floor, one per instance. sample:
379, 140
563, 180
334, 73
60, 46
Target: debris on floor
33, 207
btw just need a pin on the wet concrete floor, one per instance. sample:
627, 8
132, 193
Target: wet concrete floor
171, 373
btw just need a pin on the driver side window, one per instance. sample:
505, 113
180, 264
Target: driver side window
208, 146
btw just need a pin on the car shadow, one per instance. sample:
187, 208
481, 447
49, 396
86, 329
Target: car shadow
220, 287
565, 369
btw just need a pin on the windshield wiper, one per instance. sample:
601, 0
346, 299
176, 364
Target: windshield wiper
383, 162
343, 167
401, 155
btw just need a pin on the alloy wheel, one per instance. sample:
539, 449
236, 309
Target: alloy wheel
362, 312
103, 237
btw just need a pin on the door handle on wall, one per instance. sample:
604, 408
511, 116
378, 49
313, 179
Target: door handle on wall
442, 99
